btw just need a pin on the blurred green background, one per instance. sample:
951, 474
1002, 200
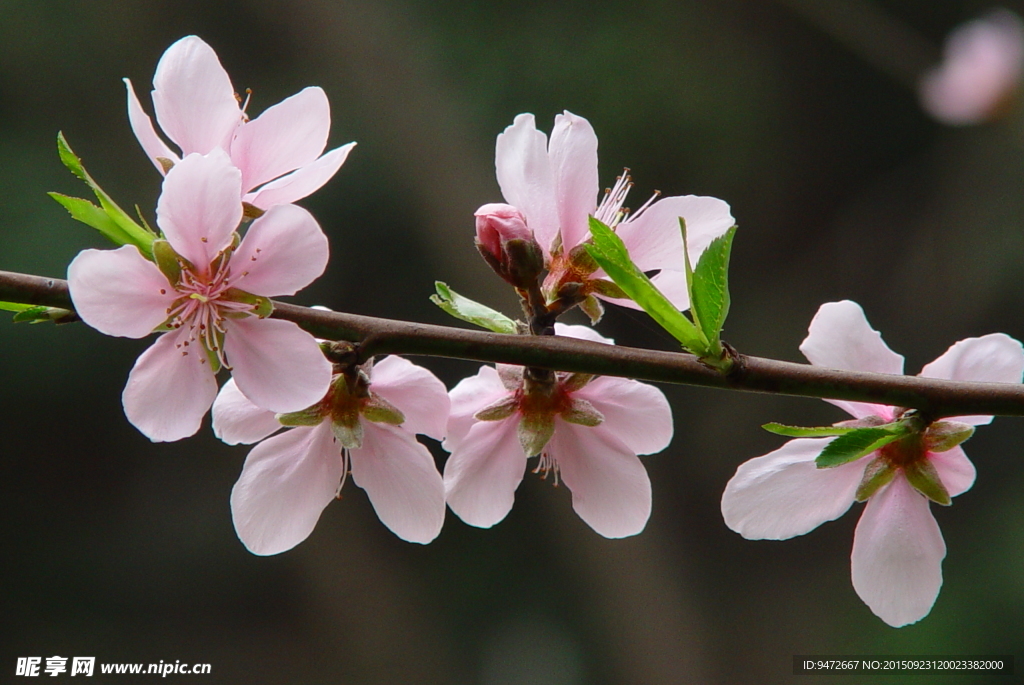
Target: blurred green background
798, 113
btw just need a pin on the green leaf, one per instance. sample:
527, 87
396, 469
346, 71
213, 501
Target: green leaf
30, 313
808, 432
610, 253
709, 289
473, 312
135, 234
858, 443
91, 215
15, 306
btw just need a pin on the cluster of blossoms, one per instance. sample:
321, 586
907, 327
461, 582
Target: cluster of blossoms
230, 239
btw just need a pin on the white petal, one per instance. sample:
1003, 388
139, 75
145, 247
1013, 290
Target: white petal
784, 494
897, 555
636, 413
142, 127
610, 488
401, 480
276, 364
581, 333
654, 238
237, 420
840, 337
285, 484
573, 155
416, 392
994, 358
170, 389
467, 398
119, 292
200, 206
283, 252
482, 475
525, 178
301, 182
956, 471
289, 135
193, 97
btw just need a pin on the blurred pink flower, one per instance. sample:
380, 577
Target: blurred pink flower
897, 548
207, 310
555, 186
367, 423
587, 433
197, 108
980, 72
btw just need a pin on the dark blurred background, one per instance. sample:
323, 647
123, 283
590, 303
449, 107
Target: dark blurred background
800, 114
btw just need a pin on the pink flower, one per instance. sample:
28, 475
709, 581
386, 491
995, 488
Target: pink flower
555, 186
366, 423
897, 548
586, 431
207, 303
198, 110
980, 72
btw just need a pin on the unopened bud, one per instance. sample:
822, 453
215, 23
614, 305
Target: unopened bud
508, 245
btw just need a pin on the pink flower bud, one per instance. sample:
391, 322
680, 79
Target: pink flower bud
507, 244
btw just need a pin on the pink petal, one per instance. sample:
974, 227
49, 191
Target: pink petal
581, 333
416, 392
119, 292
401, 479
170, 388
237, 420
482, 475
289, 135
672, 285
302, 182
610, 488
286, 483
525, 178
573, 155
897, 555
994, 358
956, 471
783, 493
467, 398
840, 337
636, 413
200, 206
654, 239
142, 127
276, 364
282, 252
193, 97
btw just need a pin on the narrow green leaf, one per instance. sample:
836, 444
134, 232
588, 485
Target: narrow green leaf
856, 444
473, 312
91, 215
610, 253
137, 235
15, 306
28, 313
709, 293
807, 432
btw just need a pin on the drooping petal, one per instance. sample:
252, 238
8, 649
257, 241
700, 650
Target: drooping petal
581, 333
142, 127
286, 482
194, 101
610, 488
467, 398
401, 480
654, 239
525, 178
993, 358
955, 470
276, 364
289, 135
301, 182
416, 392
897, 555
840, 337
200, 206
636, 413
573, 155
170, 388
283, 252
783, 493
482, 474
237, 420
119, 292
